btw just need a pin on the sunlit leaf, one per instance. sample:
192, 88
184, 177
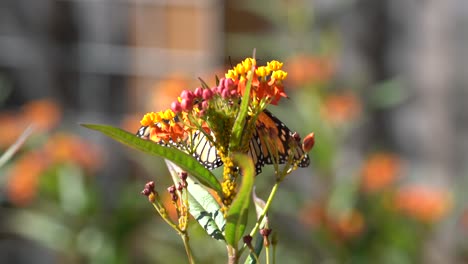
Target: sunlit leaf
239, 124
238, 212
259, 207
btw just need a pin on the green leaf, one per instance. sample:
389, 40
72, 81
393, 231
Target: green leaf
259, 207
202, 205
182, 159
239, 124
238, 212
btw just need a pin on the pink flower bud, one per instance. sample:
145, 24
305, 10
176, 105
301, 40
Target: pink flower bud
198, 92
225, 93
187, 95
175, 107
207, 94
186, 104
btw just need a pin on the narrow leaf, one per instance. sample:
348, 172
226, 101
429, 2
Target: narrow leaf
182, 159
239, 124
238, 212
259, 207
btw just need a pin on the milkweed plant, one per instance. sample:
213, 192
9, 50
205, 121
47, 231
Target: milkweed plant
224, 125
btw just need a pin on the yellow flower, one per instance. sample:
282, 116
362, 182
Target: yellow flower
274, 65
247, 64
150, 119
168, 115
263, 71
279, 75
232, 74
240, 69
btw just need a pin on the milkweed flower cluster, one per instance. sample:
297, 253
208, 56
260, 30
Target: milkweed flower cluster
202, 123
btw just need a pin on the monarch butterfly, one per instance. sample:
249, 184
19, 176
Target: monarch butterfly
270, 135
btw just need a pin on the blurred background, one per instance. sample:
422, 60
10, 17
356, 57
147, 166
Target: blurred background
381, 83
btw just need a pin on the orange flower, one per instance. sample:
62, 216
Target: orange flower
66, 147
128, 122
164, 126
44, 114
305, 69
339, 108
23, 177
379, 171
348, 225
164, 91
345, 226
267, 81
313, 215
423, 203
11, 129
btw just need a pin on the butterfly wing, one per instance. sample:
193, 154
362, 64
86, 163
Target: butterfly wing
197, 146
272, 142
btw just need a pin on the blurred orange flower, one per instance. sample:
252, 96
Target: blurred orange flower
339, 108
44, 114
24, 177
423, 203
303, 69
379, 171
130, 122
11, 129
63, 147
313, 215
345, 226
348, 225
167, 90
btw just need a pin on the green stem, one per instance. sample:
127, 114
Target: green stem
188, 249
265, 210
181, 233
262, 215
267, 255
232, 255
166, 218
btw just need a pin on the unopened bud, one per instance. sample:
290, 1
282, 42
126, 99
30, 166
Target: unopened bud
309, 142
